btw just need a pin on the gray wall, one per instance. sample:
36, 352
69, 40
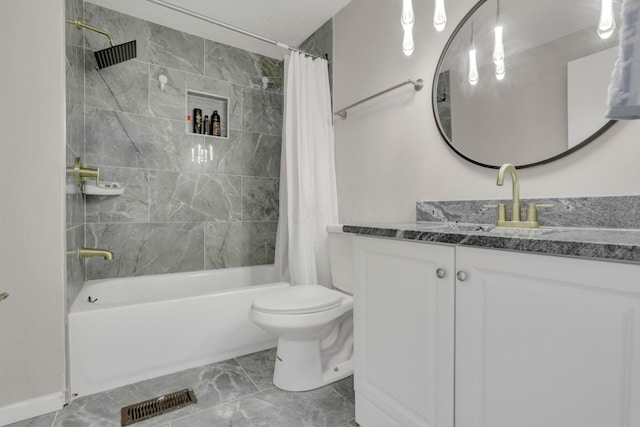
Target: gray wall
75, 221
177, 215
321, 43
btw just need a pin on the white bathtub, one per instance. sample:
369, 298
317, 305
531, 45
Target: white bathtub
143, 327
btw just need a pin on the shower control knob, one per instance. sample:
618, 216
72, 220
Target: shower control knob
441, 273
462, 276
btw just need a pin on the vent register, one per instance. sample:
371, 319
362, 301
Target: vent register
157, 406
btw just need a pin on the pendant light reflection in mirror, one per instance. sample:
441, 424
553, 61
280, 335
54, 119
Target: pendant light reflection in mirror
473, 64
607, 24
498, 46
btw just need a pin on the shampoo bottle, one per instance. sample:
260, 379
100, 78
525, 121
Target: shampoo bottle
215, 123
205, 125
197, 120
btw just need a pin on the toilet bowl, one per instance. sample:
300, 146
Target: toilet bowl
314, 324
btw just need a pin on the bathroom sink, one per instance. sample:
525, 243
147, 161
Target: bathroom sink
484, 229
452, 227
517, 232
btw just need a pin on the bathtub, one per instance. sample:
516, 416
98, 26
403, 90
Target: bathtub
143, 327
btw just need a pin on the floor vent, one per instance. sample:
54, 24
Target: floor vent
157, 406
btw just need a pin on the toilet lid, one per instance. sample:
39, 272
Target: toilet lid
299, 299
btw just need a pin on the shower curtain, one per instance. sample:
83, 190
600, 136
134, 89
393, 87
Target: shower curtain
308, 199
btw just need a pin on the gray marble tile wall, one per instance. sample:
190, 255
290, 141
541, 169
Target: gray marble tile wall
74, 147
585, 212
178, 215
321, 43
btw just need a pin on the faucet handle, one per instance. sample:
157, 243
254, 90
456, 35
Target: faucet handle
501, 211
532, 211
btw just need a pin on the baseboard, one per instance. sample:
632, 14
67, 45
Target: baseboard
31, 408
369, 415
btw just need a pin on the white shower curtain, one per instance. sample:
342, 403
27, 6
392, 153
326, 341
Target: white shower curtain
308, 200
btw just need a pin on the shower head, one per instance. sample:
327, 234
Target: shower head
111, 55
115, 54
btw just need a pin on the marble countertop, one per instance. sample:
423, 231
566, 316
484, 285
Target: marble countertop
594, 243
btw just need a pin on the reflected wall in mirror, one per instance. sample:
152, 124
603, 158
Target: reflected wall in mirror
552, 97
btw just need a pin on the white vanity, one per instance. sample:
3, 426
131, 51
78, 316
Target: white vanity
454, 335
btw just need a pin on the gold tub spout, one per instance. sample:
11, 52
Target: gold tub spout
91, 252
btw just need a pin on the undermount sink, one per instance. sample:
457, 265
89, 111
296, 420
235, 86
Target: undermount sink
517, 232
485, 229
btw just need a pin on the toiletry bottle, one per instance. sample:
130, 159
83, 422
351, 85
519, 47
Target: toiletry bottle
205, 125
215, 123
197, 120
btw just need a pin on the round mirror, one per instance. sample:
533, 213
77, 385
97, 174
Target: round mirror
540, 97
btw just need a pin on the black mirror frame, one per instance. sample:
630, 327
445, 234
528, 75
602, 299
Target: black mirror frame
434, 106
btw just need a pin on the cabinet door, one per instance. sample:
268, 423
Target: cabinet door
403, 329
546, 341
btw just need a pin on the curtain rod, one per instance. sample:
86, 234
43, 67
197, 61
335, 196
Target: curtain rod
231, 27
417, 85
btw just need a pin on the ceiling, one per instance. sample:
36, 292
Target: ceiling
286, 21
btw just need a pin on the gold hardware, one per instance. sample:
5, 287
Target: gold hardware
532, 213
79, 25
501, 210
91, 252
515, 202
82, 172
531, 220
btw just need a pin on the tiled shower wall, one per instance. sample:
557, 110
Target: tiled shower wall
74, 148
321, 43
176, 214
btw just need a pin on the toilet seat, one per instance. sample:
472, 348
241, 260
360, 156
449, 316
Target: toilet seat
301, 299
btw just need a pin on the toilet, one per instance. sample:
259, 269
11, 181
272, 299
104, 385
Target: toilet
314, 324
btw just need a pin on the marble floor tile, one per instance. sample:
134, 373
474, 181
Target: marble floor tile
273, 407
213, 384
237, 392
345, 388
41, 421
259, 366
103, 409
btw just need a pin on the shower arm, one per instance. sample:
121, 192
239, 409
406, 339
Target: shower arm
79, 24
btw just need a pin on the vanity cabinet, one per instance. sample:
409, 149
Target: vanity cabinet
546, 341
403, 331
539, 340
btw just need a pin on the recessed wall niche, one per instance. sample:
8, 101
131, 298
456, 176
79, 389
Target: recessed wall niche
207, 103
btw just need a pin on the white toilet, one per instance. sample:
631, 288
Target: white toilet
314, 324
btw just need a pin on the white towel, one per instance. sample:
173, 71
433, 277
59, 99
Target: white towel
623, 100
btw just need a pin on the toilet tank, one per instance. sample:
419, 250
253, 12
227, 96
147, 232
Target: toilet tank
341, 258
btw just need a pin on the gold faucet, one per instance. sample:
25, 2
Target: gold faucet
91, 252
531, 220
515, 202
